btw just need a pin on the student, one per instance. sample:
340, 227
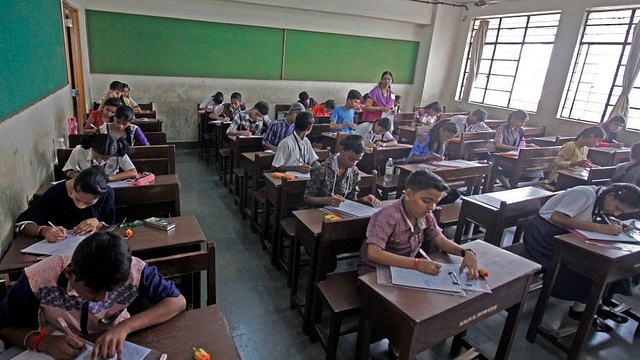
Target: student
281, 128
380, 101
508, 135
580, 208
574, 153
430, 147
115, 91
102, 150
127, 100
121, 127
428, 115
91, 290
323, 109
306, 101
376, 134
396, 104
295, 153
471, 123
629, 172
337, 178
611, 128
250, 122
82, 204
341, 119
213, 103
230, 110
105, 115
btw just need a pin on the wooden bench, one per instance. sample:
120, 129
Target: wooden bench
529, 159
150, 125
154, 138
520, 250
470, 145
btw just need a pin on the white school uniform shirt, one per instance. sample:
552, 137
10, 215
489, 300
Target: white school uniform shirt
293, 151
366, 131
81, 159
576, 202
463, 127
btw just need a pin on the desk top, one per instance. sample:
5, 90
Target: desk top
582, 173
313, 218
511, 196
610, 150
419, 305
145, 238
436, 168
610, 251
251, 156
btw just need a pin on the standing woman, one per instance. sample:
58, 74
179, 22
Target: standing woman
102, 150
381, 99
123, 128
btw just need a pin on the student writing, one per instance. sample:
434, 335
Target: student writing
324, 109
102, 150
376, 134
295, 153
611, 128
430, 147
472, 123
281, 128
250, 122
121, 127
574, 153
229, 110
105, 115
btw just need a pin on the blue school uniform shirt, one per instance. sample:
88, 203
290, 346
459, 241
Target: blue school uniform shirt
341, 116
421, 149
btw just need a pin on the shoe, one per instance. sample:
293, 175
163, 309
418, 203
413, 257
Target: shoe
601, 326
575, 315
393, 351
606, 313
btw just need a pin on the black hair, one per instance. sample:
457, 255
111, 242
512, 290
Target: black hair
435, 145
618, 118
517, 114
115, 85
480, 114
420, 180
103, 261
112, 102
635, 158
125, 86
218, 98
304, 119
303, 96
387, 72
398, 97
354, 95
435, 106
92, 181
124, 113
236, 96
105, 144
384, 123
329, 104
627, 194
353, 143
365, 97
595, 131
262, 107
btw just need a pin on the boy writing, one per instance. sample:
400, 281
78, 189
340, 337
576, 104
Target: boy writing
472, 123
230, 110
91, 291
281, 128
376, 134
295, 153
342, 116
250, 122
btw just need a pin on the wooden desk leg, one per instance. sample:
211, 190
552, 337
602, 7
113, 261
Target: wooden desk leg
509, 329
543, 300
265, 223
364, 338
589, 312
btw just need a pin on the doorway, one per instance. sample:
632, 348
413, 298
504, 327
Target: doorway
74, 62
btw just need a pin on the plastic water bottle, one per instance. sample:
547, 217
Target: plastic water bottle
73, 125
58, 144
388, 171
522, 144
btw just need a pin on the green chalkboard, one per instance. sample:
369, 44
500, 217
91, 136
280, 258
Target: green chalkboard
32, 57
174, 47
332, 57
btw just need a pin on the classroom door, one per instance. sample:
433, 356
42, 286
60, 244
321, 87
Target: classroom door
74, 62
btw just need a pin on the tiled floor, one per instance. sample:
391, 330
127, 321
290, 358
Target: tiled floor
254, 295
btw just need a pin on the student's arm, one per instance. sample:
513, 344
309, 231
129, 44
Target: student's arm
124, 175
414, 155
334, 126
139, 138
469, 261
314, 188
221, 117
499, 138
564, 158
269, 138
387, 140
566, 221
233, 128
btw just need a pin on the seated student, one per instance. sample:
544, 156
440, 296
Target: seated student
214, 103
629, 172
341, 119
81, 204
127, 99
295, 153
337, 178
397, 103
471, 123
611, 128
308, 102
428, 115
281, 128
579, 208
98, 117
105, 151
376, 134
230, 110
115, 91
508, 138
430, 147
324, 109
574, 153
121, 127
91, 290
250, 122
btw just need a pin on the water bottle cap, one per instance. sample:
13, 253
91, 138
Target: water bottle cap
72, 118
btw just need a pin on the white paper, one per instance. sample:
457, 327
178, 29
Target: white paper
117, 184
592, 235
352, 208
66, 246
299, 174
270, 151
455, 163
448, 280
130, 351
59, 181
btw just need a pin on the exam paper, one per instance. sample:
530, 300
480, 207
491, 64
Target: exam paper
66, 246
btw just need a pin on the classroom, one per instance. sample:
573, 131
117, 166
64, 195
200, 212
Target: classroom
172, 56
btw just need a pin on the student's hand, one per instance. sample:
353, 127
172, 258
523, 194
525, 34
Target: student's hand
428, 266
86, 227
612, 229
304, 169
616, 145
370, 200
243, 133
61, 347
110, 343
351, 126
370, 145
436, 158
52, 235
335, 200
471, 263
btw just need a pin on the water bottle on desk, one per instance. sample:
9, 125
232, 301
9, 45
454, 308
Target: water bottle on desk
73, 125
388, 171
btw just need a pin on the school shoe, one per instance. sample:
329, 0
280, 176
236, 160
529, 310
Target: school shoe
393, 351
607, 313
597, 323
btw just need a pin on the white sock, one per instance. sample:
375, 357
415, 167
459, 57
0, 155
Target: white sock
578, 306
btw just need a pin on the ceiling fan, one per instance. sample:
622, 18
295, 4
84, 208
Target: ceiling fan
483, 3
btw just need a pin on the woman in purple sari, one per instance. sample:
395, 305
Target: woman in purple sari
381, 99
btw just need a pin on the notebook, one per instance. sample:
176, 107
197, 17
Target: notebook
352, 208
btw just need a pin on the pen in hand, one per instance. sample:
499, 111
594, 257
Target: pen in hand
65, 327
57, 230
424, 254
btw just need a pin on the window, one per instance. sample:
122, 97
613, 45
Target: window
596, 79
514, 61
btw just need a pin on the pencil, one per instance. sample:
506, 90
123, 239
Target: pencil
66, 328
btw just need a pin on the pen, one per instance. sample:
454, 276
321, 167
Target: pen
66, 328
454, 278
424, 254
56, 229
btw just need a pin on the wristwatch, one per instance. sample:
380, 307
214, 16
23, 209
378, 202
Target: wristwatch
463, 252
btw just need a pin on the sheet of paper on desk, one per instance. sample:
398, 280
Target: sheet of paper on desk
592, 235
117, 184
299, 174
445, 281
130, 351
355, 209
455, 163
270, 151
66, 246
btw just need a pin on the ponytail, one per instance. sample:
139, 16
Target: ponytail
592, 131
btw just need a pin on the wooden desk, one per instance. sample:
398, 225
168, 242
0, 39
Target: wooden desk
253, 169
471, 176
608, 156
144, 114
239, 145
568, 178
146, 243
150, 125
526, 160
601, 265
551, 140
376, 159
409, 134
154, 138
471, 144
160, 198
415, 320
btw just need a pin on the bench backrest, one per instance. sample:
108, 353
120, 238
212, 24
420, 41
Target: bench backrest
154, 138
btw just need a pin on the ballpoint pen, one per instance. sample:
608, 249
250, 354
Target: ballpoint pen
424, 254
56, 229
65, 327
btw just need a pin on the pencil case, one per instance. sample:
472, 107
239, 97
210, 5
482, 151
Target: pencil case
279, 175
143, 179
